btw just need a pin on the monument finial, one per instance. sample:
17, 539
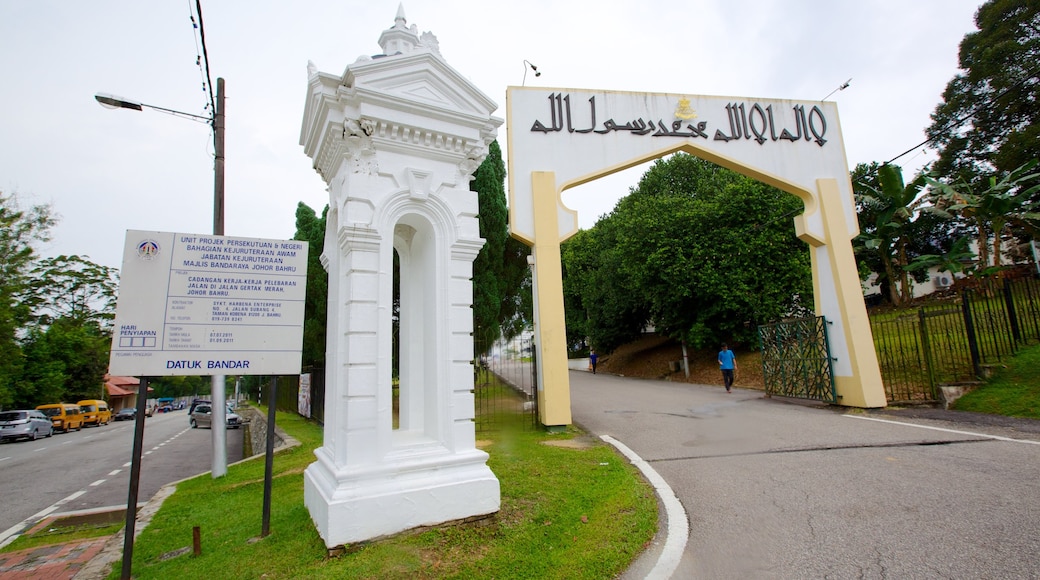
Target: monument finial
400, 38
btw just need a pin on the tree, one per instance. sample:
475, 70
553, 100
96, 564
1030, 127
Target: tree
72, 287
701, 252
1008, 201
989, 118
501, 278
64, 362
20, 231
893, 206
602, 311
310, 228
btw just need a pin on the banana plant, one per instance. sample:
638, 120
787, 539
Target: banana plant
1011, 200
893, 206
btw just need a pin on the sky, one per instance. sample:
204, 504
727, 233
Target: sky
106, 171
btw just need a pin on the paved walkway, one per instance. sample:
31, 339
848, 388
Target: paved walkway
58, 562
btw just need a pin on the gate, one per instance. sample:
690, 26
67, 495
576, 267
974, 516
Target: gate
506, 385
796, 359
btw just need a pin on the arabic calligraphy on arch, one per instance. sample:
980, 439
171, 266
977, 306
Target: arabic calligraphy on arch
746, 121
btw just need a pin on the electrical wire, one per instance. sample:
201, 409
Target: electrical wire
977, 109
207, 80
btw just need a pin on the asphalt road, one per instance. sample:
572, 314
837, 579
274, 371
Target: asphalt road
91, 468
780, 489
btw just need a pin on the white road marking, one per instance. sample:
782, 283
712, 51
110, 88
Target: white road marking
678, 527
11, 533
115, 472
985, 435
128, 464
98, 482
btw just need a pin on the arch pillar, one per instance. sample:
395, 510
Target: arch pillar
554, 391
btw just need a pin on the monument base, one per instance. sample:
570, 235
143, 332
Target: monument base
358, 504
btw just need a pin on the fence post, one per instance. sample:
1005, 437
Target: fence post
926, 351
969, 327
1009, 302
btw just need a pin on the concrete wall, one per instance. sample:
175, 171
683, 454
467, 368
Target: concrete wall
255, 441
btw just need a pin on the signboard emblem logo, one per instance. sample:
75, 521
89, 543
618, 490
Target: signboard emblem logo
148, 250
683, 110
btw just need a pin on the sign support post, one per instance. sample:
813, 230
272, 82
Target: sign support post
135, 480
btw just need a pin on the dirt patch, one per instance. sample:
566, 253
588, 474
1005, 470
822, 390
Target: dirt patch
578, 443
658, 357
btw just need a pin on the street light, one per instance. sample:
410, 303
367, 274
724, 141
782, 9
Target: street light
218, 395
527, 64
841, 87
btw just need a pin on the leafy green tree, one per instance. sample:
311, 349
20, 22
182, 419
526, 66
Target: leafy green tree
501, 277
702, 252
66, 361
20, 231
602, 311
73, 287
310, 228
989, 118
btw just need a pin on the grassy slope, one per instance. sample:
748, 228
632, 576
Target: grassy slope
649, 358
1013, 391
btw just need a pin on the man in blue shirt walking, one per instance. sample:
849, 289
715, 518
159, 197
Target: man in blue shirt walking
728, 364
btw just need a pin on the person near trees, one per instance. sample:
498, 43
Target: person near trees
728, 364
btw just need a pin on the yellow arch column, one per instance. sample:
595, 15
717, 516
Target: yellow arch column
863, 388
554, 385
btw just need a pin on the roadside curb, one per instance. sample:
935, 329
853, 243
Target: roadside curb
677, 528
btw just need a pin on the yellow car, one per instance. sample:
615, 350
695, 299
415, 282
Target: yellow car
95, 412
64, 416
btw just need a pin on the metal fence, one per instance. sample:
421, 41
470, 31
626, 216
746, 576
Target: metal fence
507, 384
504, 388
955, 341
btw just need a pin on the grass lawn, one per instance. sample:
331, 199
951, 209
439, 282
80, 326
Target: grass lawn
566, 513
1013, 390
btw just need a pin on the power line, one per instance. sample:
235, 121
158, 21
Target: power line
207, 81
978, 108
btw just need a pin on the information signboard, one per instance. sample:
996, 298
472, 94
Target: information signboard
192, 304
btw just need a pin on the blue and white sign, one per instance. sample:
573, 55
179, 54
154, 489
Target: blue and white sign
192, 304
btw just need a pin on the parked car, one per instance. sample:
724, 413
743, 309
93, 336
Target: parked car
64, 417
27, 424
202, 416
95, 412
127, 414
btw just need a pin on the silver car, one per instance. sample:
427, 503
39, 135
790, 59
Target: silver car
24, 425
202, 416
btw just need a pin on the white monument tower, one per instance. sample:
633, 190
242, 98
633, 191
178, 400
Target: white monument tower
397, 137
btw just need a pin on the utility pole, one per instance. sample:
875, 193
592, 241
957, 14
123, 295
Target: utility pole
218, 396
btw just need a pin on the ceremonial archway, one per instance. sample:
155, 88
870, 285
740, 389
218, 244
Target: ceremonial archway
561, 138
